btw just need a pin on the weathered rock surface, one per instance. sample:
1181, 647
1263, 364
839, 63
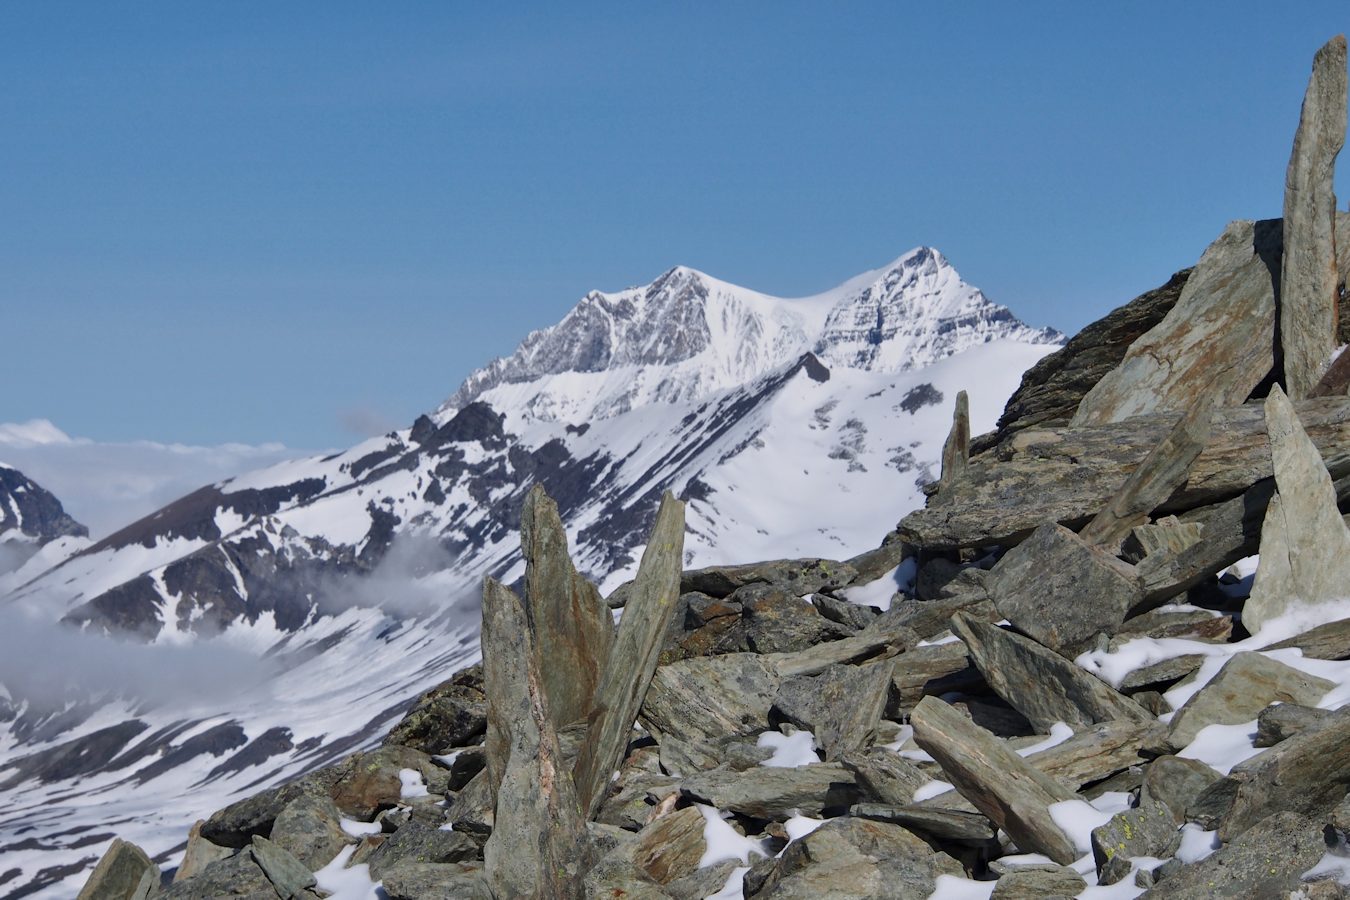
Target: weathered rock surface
1305, 546
946, 824
852, 858
1068, 475
884, 776
707, 698
310, 828
199, 854
419, 842
1309, 279
1042, 685
1176, 782
291, 879
1038, 882
1247, 684
124, 873
237, 876
632, 661
1013, 794
672, 846
770, 792
431, 881
1146, 830
800, 576
450, 715
1062, 590
841, 706
956, 450
1282, 721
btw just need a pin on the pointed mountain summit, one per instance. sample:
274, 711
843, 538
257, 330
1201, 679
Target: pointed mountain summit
687, 335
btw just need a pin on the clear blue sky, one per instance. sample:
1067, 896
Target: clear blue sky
275, 222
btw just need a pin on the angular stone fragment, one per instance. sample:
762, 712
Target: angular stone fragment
452, 714
370, 782
1063, 590
1176, 782
1146, 830
310, 828
933, 669
840, 706
1167, 536
849, 858
538, 843
884, 777
572, 625
1265, 861
1215, 344
1192, 624
236, 876
873, 564
1305, 545
1067, 475
199, 854
124, 873
632, 661
799, 576
856, 649
771, 792
672, 846
687, 757
1307, 773
942, 824
1042, 685
997, 781
1329, 641
853, 616
1247, 684
290, 878
1154, 480
1284, 720
1309, 278
956, 451
434, 881
419, 842
774, 620
705, 699
1038, 882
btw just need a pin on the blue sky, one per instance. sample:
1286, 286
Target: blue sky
291, 222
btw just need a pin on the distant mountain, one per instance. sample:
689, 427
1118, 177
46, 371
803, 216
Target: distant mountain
793, 428
30, 516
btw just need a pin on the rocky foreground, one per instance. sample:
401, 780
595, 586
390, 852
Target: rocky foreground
1060, 678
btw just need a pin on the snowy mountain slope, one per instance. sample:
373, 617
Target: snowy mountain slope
349, 582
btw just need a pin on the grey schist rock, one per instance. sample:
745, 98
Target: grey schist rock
538, 843
672, 846
849, 858
310, 827
1038, 882
199, 854
1067, 475
1307, 773
291, 878
956, 450
1063, 590
885, 777
1153, 481
1247, 684
572, 626
632, 661
1328, 641
124, 873
1176, 782
1039, 683
1282, 721
1305, 545
1012, 793
703, 699
943, 824
1309, 279
1146, 830
841, 706
773, 792
1214, 345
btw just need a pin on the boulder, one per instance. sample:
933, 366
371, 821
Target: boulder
672, 846
797, 576
291, 879
940, 824
633, 659
1214, 346
1062, 590
853, 616
1247, 684
1167, 536
1038, 882
705, 699
1176, 782
884, 777
1042, 685
420, 842
452, 714
1284, 720
841, 706
238, 877
848, 858
199, 854
770, 792
775, 620
124, 873
1147, 830
1328, 641
310, 828
1305, 545
1309, 279
956, 450
434, 881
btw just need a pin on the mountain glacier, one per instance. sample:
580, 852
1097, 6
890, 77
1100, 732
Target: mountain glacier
802, 427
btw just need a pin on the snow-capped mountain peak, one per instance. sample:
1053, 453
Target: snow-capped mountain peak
687, 335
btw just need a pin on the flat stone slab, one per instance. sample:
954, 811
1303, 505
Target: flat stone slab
1247, 684
770, 792
704, 699
841, 706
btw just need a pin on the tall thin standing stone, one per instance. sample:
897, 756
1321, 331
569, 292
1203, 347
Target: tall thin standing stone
956, 451
1308, 275
572, 626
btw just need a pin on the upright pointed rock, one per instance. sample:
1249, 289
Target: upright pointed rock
1308, 278
572, 625
632, 661
1305, 545
538, 843
956, 452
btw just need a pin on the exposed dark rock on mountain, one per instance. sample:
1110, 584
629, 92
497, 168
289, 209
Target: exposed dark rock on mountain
30, 516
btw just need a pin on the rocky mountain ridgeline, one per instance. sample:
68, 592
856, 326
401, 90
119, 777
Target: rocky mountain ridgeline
1073, 689
30, 516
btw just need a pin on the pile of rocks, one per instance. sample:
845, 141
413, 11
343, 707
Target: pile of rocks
1017, 695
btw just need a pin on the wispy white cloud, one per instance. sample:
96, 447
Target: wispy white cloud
107, 485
